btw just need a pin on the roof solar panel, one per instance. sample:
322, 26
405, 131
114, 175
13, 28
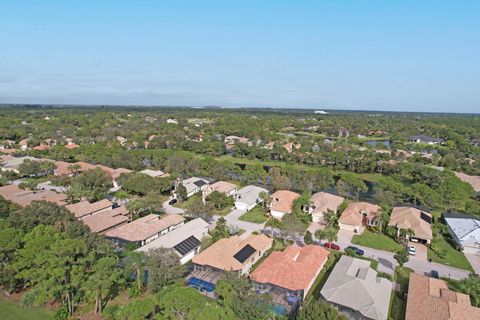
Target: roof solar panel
187, 245
244, 253
199, 183
425, 217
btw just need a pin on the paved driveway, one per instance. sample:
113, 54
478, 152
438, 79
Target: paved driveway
171, 210
474, 261
233, 219
421, 251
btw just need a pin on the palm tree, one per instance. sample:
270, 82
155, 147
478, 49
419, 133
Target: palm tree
273, 224
406, 234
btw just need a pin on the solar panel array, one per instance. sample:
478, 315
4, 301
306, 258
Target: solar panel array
425, 217
187, 245
244, 253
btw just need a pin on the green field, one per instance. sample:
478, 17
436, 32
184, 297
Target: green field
13, 311
256, 215
377, 241
453, 257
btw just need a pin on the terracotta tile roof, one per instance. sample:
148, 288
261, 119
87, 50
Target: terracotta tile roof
41, 148
223, 186
84, 208
105, 220
325, 201
25, 197
220, 255
11, 150
430, 299
145, 227
353, 213
72, 146
411, 218
63, 168
282, 201
295, 268
474, 181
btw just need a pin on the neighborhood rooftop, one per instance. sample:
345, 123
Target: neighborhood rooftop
430, 299
354, 284
294, 268
84, 208
145, 227
223, 254
25, 197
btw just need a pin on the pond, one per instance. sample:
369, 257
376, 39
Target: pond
387, 143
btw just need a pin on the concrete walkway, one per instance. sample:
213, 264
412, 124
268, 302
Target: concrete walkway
474, 261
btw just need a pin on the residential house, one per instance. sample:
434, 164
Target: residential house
357, 215
431, 299
290, 273
230, 140
84, 208
321, 203
6, 144
426, 139
475, 142
248, 197
10, 163
185, 240
343, 133
356, 290
281, 203
465, 231
227, 188
194, 185
25, 197
41, 147
233, 254
23, 144
145, 229
420, 222
289, 146
155, 173
474, 181
172, 121
71, 146
106, 220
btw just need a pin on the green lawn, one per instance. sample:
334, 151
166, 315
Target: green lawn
13, 311
185, 205
398, 304
377, 241
256, 215
453, 257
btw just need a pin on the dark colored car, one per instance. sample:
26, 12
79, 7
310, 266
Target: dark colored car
434, 274
173, 201
358, 251
332, 246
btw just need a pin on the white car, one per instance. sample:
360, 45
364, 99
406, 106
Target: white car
412, 250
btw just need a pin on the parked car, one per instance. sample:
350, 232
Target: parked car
412, 250
332, 246
434, 274
172, 202
358, 251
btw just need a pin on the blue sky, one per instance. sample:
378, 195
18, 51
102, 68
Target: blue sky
358, 54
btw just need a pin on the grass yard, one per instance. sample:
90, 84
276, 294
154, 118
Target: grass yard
452, 257
194, 200
12, 311
256, 215
398, 304
377, 241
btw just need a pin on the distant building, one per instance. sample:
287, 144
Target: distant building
248, 197
145, 229
194, 185
321, 203
227, 188
106, 220
358, 215
426, 139
25, 197
154, 173
282, 203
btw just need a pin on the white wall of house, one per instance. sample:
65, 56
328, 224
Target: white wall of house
189, 255
277, 214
